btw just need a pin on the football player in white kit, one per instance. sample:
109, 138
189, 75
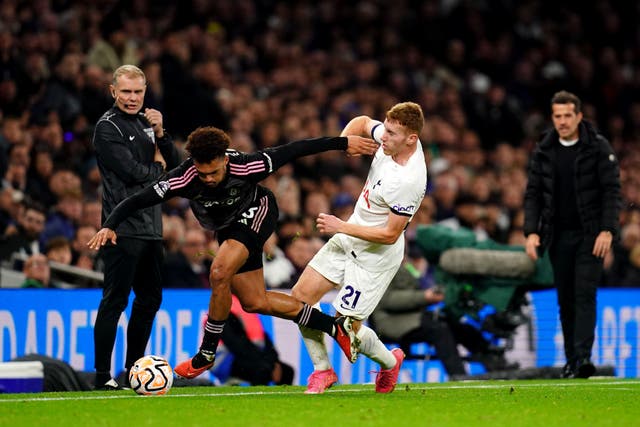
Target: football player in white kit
366, 251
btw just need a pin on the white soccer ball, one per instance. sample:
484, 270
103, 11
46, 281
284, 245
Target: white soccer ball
151, 375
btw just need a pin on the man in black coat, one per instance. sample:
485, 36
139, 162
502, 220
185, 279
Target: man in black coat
572, 203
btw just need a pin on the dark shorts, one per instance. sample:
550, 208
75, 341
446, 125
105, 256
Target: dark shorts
252, 229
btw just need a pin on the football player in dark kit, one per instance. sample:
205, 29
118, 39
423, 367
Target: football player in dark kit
222, 187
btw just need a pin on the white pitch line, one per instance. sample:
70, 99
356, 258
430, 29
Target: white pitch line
619, 386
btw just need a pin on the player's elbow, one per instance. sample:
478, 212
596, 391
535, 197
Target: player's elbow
389, 238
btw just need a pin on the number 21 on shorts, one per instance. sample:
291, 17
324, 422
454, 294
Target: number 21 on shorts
350, 298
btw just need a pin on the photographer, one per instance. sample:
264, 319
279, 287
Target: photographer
402, 317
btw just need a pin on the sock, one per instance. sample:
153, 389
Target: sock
315, 319
212, 332
374, 349
314, 342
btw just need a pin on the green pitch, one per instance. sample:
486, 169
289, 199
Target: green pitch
601, 402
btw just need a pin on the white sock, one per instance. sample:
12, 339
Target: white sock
374, 349
314, 341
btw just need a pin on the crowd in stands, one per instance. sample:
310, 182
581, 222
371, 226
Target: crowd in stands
270, 72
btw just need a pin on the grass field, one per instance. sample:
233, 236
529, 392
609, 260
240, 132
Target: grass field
547, 403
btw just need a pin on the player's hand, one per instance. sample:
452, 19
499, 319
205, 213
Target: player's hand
154, 117
602, 244
358, 145
102, 237
328, 224
432, 296
531, 246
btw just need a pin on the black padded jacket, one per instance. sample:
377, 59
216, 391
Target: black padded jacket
125, 147
596, 182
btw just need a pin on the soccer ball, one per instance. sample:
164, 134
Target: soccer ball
151, 375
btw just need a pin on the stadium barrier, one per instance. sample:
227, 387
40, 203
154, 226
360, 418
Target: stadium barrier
59, 323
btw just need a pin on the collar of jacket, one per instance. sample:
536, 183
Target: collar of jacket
124, 114
585, 128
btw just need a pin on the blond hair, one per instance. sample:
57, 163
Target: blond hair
130, 71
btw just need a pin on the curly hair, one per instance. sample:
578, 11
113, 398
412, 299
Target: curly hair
207, 143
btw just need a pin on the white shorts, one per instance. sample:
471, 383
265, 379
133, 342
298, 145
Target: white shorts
359, 289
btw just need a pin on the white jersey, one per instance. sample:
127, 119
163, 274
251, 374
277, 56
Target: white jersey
389, 187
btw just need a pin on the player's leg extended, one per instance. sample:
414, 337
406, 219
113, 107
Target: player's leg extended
250, 289
362, 290
310, 288
230, 257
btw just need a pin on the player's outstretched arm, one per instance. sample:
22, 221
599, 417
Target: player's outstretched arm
358, 145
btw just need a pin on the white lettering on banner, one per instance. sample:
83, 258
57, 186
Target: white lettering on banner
628, 315
558, 340
122, 326
608, 336
203, 316
183, 320
624, 349
7, 323
78, 321
55, 325
31, 340
162, 328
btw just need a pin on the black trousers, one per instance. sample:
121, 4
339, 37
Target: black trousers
437, 333
131, 264
576, 273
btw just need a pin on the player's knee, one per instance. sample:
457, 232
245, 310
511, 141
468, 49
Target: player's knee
256, 305
219, 275
300, 293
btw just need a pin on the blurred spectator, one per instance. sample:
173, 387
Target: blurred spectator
173, 233
92, 214
299, 250
620, 267
446, 190
62, 93
37, 272
402, 317
64, 182
9, 209
25, 240
290, 227
38, 176
58, 249
112, 50
81, 255
342, 206
64, 220
278, 269
188, 267
631, 276
95, 98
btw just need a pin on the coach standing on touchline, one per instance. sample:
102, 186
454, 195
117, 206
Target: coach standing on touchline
131, 149
572, 203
